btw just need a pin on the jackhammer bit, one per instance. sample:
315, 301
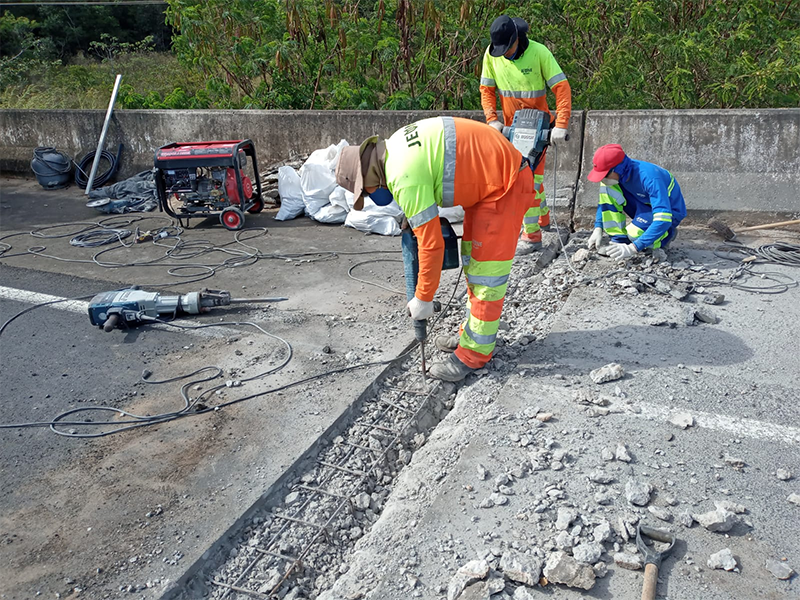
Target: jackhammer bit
411, 267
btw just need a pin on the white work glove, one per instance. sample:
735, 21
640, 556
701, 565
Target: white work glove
558, 135
621, 251
419, 310
497, 125
595, 239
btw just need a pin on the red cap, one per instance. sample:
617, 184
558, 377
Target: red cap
605, 158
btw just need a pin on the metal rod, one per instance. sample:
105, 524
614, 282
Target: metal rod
103, 133
397, 406
318, 490
254, 300
424, 366
359, 446
301, 521
275, 554
338, 468
378, 427
405, 391
241, 590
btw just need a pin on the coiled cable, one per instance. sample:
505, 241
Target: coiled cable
85, 166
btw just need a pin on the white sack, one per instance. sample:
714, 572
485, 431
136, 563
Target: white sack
330, 214
371, 223
341, 197
317, 177
291, 194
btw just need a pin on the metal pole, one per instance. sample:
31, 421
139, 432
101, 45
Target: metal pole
103, 135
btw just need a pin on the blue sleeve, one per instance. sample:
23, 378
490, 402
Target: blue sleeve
662, 211
598, 220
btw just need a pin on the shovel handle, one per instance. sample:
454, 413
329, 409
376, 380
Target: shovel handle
650, 582
769, 225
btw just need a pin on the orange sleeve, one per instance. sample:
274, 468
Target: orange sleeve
563, 103
489, 103
430, 244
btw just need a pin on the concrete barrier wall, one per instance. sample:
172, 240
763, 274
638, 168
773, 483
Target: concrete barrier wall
276, 134
727, 160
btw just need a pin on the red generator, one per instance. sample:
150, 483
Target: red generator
200, 179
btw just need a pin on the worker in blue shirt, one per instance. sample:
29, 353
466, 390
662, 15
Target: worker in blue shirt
645, 192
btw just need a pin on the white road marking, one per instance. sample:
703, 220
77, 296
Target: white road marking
735, 425
82, 307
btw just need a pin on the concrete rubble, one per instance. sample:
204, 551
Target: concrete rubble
562, 568
779, 569
638, 492
471, 572
718, 521
628, 560
723, 559
610, 372
520, 567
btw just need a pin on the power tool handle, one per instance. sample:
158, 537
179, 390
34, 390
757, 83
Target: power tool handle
111, 322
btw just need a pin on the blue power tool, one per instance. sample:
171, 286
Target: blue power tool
127, 308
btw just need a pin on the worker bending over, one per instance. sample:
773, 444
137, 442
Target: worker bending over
520, 71
645, 192
448, 161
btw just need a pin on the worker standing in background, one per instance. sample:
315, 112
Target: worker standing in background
520, 70
645, 192
448, 161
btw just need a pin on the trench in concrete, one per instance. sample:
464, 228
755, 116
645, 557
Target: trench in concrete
315, 512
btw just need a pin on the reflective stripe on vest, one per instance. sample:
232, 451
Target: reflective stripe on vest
522, 94
423, 217
449, 173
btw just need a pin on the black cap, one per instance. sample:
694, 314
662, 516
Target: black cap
504, 32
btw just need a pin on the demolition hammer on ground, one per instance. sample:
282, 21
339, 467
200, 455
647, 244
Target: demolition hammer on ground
131, 307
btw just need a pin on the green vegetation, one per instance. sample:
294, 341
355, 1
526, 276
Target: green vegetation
405, 54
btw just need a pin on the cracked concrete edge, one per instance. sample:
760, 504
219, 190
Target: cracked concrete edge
183, 587
413, 494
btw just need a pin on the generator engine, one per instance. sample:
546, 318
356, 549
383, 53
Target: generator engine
206, 187
201, 178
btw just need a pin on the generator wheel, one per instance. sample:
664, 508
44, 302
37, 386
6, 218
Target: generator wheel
258, 206
232, 219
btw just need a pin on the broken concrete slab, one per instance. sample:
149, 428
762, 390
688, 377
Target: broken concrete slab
562, 568
638, 492
723, 560
609, 372
779, 569
521, 568
628, 560
718, 521
588, 552
473, 571
682, 420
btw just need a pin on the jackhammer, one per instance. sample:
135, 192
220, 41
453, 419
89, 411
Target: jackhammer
126, 308
411, 267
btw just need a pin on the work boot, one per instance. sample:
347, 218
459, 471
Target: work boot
446, 343
524, 247
450, 369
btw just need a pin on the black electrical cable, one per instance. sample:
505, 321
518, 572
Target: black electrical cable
84, 168
192, 406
